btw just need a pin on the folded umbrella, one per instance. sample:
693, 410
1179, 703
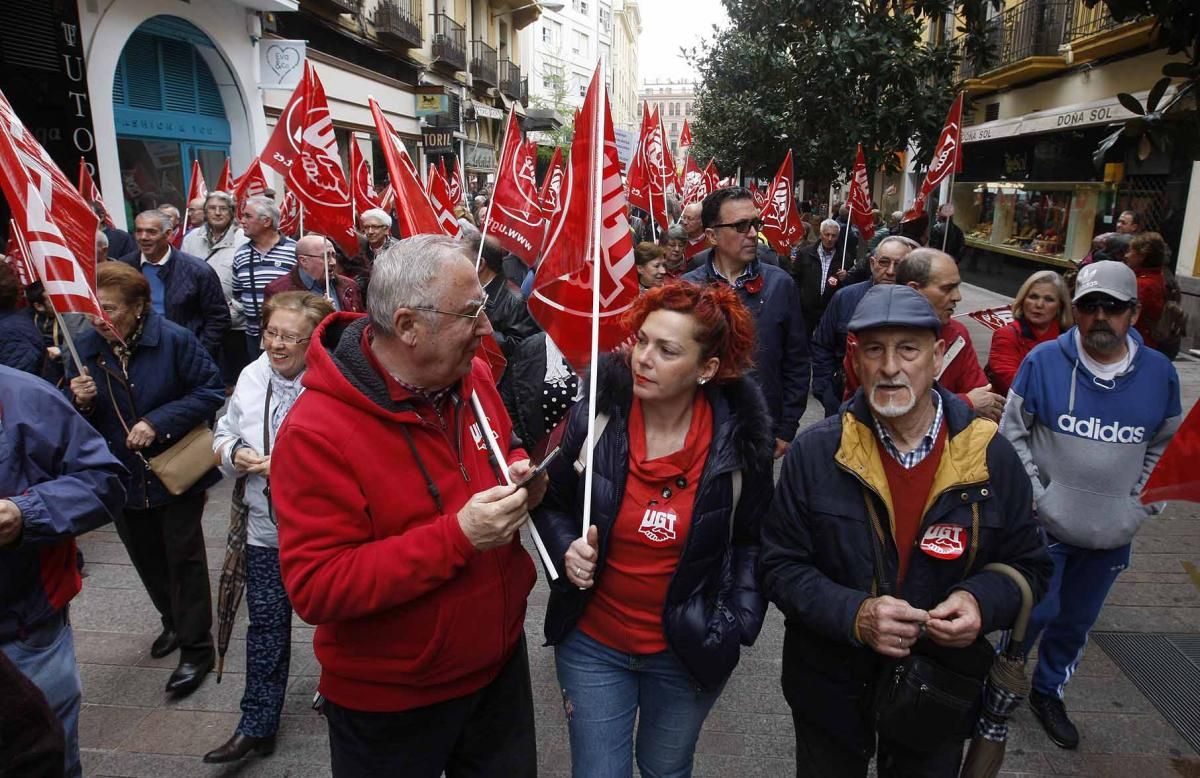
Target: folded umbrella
1006, 686
233, 572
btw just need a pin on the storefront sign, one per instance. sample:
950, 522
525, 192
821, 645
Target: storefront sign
47, 83
486, 111
281, 63
437, 140
1067, 117
481, 158
159, 124
1005, 128
429, 105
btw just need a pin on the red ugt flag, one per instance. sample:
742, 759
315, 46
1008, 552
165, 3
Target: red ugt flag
365, 197
515, 218
947, 158
562, 291
685, 136
638, 179
197, 188
859, 198
695, 183
551, 195
289, 215
781, 222
225, 180
90, 192
40, 197
414, 214
439, 198
252, 183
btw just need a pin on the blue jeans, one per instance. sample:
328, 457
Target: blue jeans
47, 657
605, 690
1078, 587
268, 643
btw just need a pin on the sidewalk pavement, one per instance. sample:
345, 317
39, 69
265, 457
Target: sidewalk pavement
130, 728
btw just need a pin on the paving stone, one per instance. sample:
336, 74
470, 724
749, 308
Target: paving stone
109, 648
108, 726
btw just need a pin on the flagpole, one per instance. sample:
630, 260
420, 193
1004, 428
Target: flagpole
502, 465
598, 152
946, 229
492, 200
325, 262
849, 221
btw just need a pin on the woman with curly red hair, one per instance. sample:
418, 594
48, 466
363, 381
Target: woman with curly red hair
652, 605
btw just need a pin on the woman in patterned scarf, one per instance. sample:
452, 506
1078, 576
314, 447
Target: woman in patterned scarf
244, 439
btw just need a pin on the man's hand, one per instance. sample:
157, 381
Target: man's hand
490, 517
140, 436
986, 403
890, 626
519, 471
247, 460
956, 622
580, 559
10, 522
841, 274
781, 447
83, 388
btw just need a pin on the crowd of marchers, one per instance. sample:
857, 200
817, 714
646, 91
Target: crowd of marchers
384, 477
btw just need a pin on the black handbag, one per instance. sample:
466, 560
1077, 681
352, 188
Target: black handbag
933, 695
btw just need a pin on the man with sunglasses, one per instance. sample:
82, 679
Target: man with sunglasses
1090, 413
781, 358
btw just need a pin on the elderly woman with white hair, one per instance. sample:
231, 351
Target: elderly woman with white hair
376, 226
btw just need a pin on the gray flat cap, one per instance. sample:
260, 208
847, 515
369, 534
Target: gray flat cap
894, 305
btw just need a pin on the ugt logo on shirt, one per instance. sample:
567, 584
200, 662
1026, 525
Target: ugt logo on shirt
658, 525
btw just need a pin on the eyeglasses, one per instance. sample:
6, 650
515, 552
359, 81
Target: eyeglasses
328, 256
742, 225
1090, 305
374, 227
216, 208
291, 340
472, 316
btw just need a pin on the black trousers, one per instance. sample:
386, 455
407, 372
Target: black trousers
819, 756
234, 356
166, 544
487, 733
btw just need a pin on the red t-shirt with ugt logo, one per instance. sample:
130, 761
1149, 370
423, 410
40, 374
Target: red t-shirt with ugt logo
625, 612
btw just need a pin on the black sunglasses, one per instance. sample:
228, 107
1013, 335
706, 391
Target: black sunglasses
742, 225
1090, 305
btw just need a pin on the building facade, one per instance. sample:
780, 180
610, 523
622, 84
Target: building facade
1030, 194
561, 52
168, 82
674, 100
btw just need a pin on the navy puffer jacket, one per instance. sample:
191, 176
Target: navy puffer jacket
21, 346
713, 603
192, 294
172, 383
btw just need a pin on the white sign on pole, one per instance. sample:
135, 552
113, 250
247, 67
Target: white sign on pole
626, 146
281, 63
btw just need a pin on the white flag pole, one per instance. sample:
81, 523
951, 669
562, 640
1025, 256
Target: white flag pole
486, 430
597, 171
62, 326
328, 249
849, 221
949, 217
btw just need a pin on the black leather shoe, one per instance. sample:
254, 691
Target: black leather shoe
164, 644
238, 746
187, 677
1051, 711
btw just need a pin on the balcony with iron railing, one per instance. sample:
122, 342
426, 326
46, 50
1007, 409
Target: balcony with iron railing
1026, 40
449, 42
483, 64
510, 79
398, 22
335, 6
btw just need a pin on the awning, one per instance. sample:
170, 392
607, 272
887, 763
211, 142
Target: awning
511, 104
541, 119
1067, 117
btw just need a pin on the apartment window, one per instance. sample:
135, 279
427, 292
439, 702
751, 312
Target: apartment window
605, 19
581, 44
580, 6
552, 33
674, 129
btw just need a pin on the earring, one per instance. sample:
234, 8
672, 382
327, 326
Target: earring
701, 381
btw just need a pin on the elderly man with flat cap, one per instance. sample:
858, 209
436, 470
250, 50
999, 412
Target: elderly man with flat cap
875, 545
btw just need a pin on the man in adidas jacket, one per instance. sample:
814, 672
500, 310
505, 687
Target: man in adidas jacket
1089, 414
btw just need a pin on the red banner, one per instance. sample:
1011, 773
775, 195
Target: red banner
562, 299
947, 158
859, 199
197, 189
365, 197
252, 183
57, 234
695, 183
685, 136
992, 318
1175, 477
315, 174
439, 198
551, 196
515, 216
781, 221
89, 191
289, 215
414, 214
225, 181
16, 258
760, 199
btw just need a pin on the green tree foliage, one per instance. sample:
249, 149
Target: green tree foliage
819, 77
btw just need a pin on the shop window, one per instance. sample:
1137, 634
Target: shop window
991, 112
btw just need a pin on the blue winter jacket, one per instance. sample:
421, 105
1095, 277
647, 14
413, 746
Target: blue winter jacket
172, 383
58, 471
781, 358
817, 562
21, 345
829, 343
713, 604
193, 298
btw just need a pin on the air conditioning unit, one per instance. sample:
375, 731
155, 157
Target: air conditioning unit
469, 81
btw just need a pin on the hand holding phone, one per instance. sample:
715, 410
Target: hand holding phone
539, 469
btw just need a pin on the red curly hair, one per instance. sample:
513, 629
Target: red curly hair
724, 328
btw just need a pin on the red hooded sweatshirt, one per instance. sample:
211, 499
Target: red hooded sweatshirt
408, 613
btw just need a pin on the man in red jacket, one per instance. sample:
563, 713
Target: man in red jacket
935, 275
398, 537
